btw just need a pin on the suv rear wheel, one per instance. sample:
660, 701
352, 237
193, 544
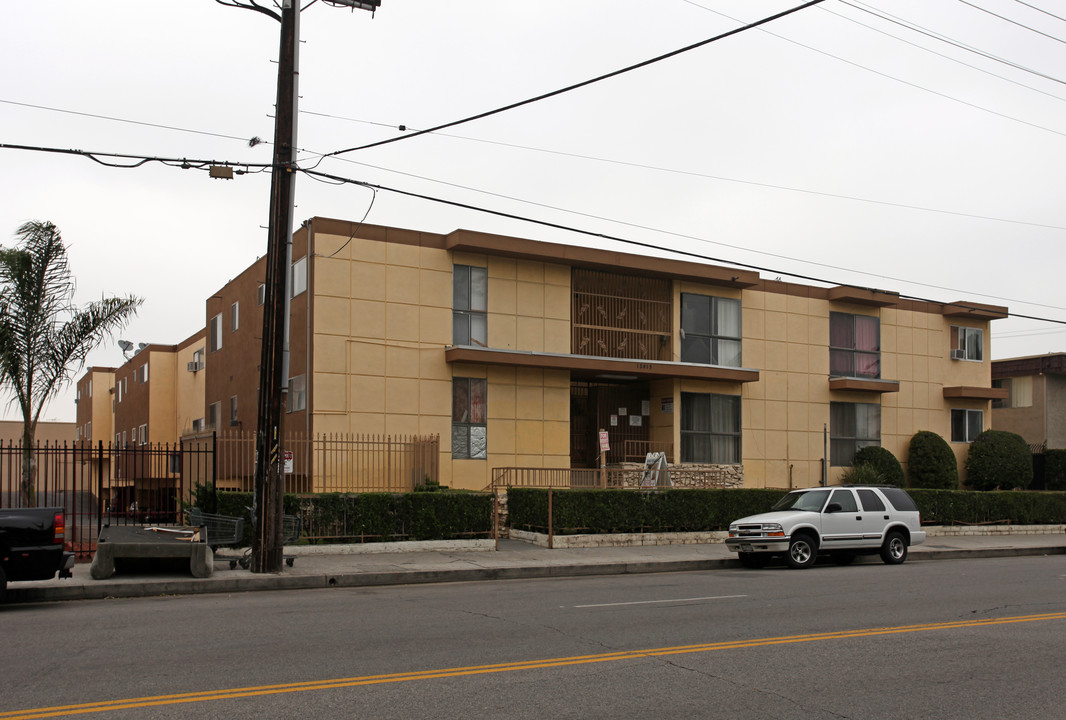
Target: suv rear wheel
802, 551
894, 549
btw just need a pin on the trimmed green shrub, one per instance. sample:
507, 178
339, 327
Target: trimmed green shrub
862, 475
883, 462
999, 460
931, 463
1055, 469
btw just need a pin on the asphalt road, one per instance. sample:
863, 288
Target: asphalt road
957, 639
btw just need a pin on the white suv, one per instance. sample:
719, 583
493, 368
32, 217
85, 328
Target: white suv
842, 521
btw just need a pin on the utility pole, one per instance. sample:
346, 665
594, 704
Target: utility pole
267, 545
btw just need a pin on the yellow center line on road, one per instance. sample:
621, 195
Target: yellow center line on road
265, 690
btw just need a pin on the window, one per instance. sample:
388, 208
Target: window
966, 343
1020, 391
470, 291
297, 393
143, 434
298, 279
854, 345
852, 426
966, 425
870, 501
118, 390
710, 330
197, 425
89, 430
469, 434
845, 500
212, 414
144, 373
214, 336
234, 316
261, 293
90, 388
710, 428
233, 410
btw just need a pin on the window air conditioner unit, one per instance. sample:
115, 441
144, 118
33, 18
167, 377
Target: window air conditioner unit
194, 366
958, 354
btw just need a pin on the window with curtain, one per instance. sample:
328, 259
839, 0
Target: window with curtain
710, 428
469, 433
967, 342
710, 330
966, 425
470, 290
852, 426
854, 345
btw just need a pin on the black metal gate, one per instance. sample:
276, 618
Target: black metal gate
99, 485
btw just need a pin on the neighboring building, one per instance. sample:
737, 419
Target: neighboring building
518, 352
95, 416
1034, 405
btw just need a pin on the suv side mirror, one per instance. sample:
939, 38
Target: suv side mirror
833, 508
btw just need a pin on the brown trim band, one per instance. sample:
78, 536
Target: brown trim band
976, 393
600, 367
863, 384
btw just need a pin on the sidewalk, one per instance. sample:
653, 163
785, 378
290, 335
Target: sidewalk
354, 566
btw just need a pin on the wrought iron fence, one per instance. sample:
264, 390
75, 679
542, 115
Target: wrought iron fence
332, 463
104, 484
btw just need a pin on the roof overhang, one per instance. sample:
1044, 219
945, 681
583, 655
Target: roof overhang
967, 392
863, 384
600, 368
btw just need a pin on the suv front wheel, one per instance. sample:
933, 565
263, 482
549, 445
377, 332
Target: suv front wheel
802, 551
894, 549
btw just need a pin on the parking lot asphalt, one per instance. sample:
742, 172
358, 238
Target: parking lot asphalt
324, 566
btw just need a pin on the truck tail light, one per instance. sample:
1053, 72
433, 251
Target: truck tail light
61, 528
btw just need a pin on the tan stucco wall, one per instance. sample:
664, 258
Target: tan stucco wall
382, 319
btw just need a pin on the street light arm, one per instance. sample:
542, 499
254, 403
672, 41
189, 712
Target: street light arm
250, 5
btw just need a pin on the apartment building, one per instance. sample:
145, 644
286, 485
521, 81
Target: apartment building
517, 353
1034, 402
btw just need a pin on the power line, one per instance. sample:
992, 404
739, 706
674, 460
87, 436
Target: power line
689, 173
584, 83
186, 163
131, 122
637, 243
914, 27
1034, 7
949, 41
1013, 22
692, 237
892, 77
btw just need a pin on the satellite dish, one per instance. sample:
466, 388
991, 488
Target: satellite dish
141, 346
126, 345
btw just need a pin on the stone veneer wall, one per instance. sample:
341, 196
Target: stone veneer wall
689, 475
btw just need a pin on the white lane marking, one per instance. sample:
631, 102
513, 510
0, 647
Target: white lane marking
650, 602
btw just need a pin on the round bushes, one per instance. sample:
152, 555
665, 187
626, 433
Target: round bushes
883, 461
999, 460
931, 463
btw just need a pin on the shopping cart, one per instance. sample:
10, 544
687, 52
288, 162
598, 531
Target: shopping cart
290, 533
222, 530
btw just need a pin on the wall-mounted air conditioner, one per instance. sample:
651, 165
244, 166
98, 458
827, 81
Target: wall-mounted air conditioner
194, 366
958, 354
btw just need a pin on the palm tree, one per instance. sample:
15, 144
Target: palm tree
44, 337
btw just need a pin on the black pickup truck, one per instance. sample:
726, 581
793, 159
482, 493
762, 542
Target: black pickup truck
31, 545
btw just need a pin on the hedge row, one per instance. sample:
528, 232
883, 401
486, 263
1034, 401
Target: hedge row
631, 511
376, 517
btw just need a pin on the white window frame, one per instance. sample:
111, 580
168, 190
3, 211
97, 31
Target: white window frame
213, 412
468, 431
214, 334
706, 441
965, 418
470, 315
716, 341
261, 293
297, 399
232, 410
839, 442
851, 351
298, 276
967, 343
143, 434
234, 315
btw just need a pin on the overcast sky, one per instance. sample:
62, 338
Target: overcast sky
839, 142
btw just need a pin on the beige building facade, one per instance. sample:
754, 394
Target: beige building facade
1034, 402
517, 353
